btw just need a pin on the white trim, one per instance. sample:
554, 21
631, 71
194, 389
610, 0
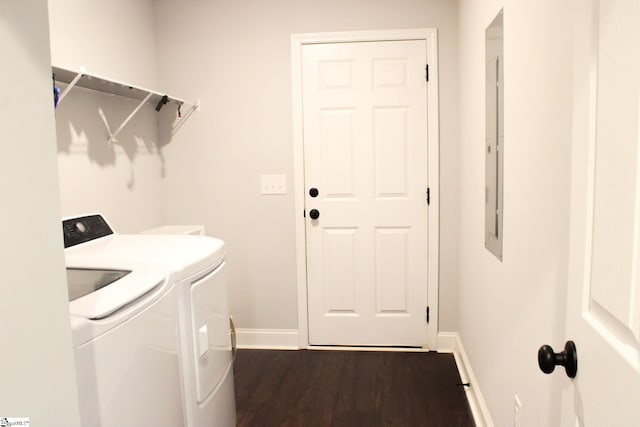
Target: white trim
363, 36
298, 191
447, 342
269, 339
386, 349
433, 165
430, 35
481, 414
450, 342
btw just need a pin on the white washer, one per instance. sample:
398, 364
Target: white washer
195, 265
124, 329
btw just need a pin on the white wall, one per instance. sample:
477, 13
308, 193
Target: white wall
120, 180
36, 364
112, 38
123, 181
508, 309
235, 57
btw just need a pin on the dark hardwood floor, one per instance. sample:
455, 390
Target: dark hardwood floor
348, 388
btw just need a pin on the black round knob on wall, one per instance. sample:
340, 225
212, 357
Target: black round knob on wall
313, 192
314, 213
547, 359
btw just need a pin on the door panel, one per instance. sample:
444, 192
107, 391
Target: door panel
390, 151
340, 284
604, 299
613, 283
337, 145
392, 275
365, 149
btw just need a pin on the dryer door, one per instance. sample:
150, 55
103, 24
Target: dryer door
211, 333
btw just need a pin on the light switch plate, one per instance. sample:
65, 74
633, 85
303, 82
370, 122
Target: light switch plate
273, 184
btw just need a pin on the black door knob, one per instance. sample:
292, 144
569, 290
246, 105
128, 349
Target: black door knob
547, 359
314, 213
313, 192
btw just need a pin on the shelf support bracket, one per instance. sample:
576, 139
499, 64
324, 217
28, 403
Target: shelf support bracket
112, 136
106, 123
69, 87
184, 118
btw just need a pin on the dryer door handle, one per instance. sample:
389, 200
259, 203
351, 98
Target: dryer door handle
203, 340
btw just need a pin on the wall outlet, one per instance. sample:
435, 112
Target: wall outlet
517, 411
273, 184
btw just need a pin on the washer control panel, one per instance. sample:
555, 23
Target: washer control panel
83, 229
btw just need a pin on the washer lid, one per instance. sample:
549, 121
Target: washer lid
182, 255
100, 292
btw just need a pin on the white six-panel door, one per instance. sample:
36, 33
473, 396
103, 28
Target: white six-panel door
365, 151
603, 300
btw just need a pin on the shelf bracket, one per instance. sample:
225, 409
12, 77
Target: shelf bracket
69, 87
112, 136
106, 123
184, 118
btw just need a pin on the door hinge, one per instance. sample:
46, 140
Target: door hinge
428, 196
304, 213
426, 69
428, 314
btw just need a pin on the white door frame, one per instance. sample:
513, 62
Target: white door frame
433, 144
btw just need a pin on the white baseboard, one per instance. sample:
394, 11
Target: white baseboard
271, 339
365, 349
481, 414
446, 342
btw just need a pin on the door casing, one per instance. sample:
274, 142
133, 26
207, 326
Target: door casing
433, 144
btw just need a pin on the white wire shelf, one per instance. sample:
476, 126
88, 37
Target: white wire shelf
110, 86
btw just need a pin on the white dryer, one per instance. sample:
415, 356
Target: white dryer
195, 267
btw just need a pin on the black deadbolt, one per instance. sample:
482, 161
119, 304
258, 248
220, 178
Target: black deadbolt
547, 359
313, 192
314, 213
